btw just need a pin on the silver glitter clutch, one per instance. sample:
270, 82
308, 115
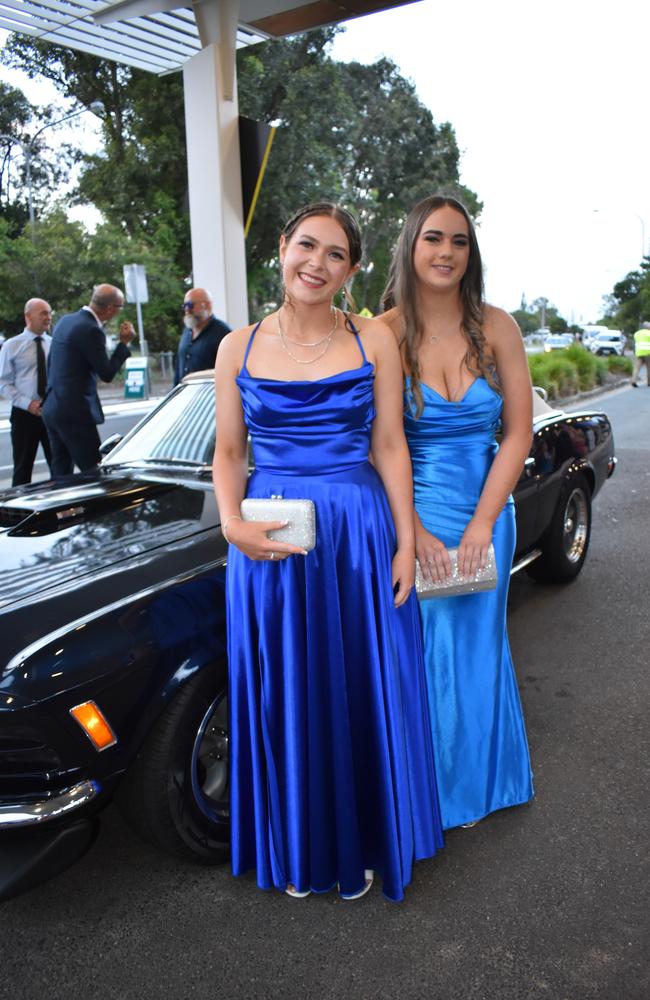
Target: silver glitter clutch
455, 585
301, 515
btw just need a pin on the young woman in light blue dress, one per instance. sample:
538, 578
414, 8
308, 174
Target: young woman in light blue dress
466, 376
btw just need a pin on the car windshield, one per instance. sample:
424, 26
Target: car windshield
180, 431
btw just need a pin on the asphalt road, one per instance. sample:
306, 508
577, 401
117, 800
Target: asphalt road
545, 902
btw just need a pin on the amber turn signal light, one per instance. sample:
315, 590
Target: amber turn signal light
94, 725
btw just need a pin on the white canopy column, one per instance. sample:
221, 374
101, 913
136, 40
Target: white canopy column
213, 167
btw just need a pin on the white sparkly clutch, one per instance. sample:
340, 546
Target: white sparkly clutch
301, 515
455, 585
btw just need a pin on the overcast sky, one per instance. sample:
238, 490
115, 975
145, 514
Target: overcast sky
549, 102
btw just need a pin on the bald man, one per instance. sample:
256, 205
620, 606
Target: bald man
23, 376
202, 335
78, 357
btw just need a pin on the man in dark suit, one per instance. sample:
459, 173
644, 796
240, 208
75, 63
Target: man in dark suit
71, 408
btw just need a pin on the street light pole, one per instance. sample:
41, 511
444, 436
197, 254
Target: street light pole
27, 148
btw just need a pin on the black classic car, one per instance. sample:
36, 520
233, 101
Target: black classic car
113, 671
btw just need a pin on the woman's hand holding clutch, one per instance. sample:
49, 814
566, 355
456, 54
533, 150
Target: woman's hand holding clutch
431, 554
474, 545
251, 537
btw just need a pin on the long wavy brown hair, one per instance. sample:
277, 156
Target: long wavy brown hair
402, 291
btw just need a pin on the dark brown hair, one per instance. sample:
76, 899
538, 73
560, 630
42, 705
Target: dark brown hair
402, 291
345, 219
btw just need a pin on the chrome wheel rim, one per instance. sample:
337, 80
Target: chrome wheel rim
576, 526
210, 762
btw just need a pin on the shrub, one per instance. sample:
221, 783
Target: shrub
601, 371
620, 366
586, 365
554, 372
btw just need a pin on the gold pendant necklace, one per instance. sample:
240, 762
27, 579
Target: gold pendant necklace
327, 340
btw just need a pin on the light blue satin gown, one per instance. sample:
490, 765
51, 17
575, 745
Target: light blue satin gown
479, 738
330, 746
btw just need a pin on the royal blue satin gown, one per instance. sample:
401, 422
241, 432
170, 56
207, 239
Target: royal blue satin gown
332, 766
479, 738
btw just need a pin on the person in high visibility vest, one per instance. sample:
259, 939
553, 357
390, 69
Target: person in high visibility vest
642, 352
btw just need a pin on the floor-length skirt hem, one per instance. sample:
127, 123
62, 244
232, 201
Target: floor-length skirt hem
477, 818
395, 898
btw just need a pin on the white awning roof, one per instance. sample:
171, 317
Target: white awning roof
159, 43
161, 40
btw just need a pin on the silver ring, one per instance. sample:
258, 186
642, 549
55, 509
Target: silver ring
272, 556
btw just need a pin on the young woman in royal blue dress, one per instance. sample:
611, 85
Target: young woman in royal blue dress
332, 774
466, 375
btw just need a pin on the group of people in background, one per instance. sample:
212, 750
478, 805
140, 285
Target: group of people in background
362, 727
51, 381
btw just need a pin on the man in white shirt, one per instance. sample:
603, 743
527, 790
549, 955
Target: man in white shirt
23, 378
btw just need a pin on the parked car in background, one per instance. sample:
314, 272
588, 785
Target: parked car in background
113, 677
612, 342
557, 342
589, 333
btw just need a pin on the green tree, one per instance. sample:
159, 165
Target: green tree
22, 120
68, 261
526, 321
629, 303
371, 145
144, 138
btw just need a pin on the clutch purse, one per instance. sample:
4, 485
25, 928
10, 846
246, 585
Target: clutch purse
301, 515
455, 585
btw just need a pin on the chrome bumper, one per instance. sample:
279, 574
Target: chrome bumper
35, 813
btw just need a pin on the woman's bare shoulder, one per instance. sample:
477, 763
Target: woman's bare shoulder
499, 326
392, 319
377, 336
233, 346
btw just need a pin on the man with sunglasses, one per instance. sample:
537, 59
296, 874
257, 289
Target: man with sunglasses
201, 337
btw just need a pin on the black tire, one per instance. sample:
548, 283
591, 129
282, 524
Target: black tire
566, 542
175, 793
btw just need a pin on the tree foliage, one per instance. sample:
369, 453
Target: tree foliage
371, 145
20, 122
629, 304
529, 318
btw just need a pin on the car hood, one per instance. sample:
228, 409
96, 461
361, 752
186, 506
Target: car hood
54, 539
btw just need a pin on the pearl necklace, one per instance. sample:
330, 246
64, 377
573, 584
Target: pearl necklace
327, 340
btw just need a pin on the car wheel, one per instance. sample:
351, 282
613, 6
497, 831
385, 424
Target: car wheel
565, 544
175, 794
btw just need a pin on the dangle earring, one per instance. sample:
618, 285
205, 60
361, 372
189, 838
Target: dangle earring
349, 305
